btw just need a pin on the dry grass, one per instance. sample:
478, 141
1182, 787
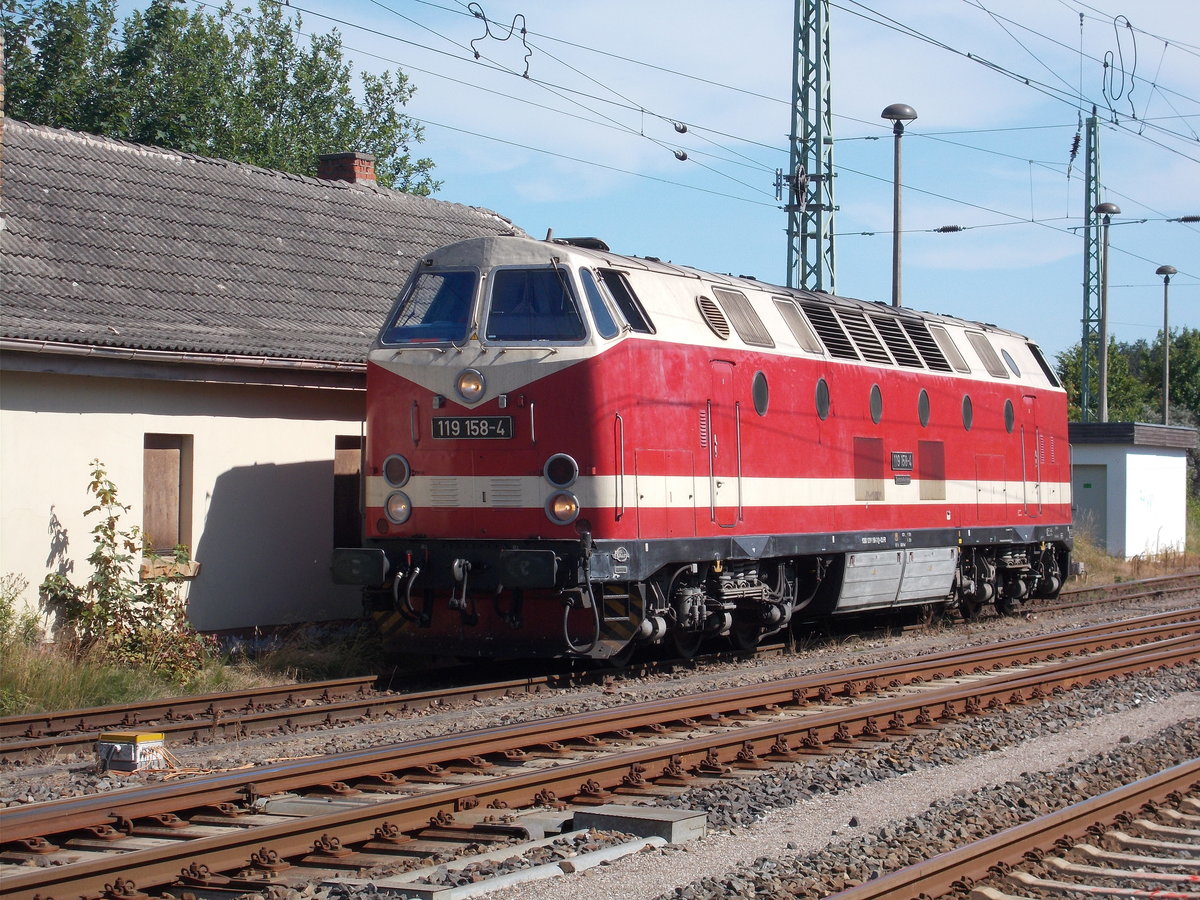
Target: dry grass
37, 677
1103, 569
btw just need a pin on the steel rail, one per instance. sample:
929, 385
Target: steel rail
969, 864
35, 820
225, 720
1192, 577
132, 715
237, 713
728, 746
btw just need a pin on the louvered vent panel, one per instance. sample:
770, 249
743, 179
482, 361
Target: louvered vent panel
864, 336
745, 320
893, 335
833, 336
505, 492
926, 345
714, 317
443, 491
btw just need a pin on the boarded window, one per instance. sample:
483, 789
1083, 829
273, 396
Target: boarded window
868, 468
987, 354
347, 508
798, 325
946, 343
931, 469
167, 490
745, 320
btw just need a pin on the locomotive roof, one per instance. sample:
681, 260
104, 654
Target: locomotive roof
527, 249
115, 245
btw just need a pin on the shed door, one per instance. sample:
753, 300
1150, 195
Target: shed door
1089, 502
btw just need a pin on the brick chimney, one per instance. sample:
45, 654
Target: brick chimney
357, 168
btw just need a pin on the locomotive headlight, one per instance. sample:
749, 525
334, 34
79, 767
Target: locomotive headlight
470, 385
561, 470
396, 470
398, 507
562, 507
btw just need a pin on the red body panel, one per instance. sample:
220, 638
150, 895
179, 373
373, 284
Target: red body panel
664, 392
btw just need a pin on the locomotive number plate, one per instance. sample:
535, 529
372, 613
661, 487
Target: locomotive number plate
451, 427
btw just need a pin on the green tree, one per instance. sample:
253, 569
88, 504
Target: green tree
1129, 399
236, 84
174, 67
59, 63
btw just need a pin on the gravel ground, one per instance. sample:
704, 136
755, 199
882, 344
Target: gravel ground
868, 810
804, 829
74, 775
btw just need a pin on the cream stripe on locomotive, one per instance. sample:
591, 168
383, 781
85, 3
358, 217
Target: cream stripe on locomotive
600, 492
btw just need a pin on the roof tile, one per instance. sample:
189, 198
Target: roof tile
112, 244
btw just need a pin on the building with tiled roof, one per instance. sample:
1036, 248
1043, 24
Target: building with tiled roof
200, 326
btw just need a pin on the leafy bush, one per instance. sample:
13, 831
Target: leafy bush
19, 627
127, 619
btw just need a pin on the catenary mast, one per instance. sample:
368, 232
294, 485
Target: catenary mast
807, 187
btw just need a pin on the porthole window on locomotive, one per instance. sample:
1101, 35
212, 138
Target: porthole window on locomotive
761, 393
968, 412
1010, 417
923, 407
823, 399
876, 404
1012, 363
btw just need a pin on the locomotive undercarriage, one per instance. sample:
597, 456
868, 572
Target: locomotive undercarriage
567, 600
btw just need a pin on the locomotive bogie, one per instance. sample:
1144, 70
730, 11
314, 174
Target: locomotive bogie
571, 452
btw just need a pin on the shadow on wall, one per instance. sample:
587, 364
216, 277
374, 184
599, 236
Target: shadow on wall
264, 550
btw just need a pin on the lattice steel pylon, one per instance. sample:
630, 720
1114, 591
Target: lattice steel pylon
808, 183
1089, 347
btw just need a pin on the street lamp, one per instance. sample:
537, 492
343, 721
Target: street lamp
897, 114
1108, 210
1166, 272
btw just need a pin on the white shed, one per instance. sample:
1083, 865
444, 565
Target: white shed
1129, 485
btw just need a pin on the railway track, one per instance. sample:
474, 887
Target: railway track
235, 714
1140, 840
298, 821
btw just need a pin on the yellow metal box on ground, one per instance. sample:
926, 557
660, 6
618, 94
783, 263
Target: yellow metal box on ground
128, 751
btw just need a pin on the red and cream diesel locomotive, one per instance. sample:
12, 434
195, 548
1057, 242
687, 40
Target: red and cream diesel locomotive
575, 453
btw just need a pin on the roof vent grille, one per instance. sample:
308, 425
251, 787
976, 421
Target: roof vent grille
714, 317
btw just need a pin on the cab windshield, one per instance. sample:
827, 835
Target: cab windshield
436, 309
533, 305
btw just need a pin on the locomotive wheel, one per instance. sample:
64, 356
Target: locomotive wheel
928, 613
686, 643
969, 609
621, 658
1005, 606
743, 636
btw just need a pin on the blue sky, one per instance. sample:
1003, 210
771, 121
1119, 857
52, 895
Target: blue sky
585, 144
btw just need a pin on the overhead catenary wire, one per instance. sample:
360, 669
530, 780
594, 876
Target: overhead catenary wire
584, 116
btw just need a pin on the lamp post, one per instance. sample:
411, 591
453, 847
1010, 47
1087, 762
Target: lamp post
1108, 210
897, 114
1166, 272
